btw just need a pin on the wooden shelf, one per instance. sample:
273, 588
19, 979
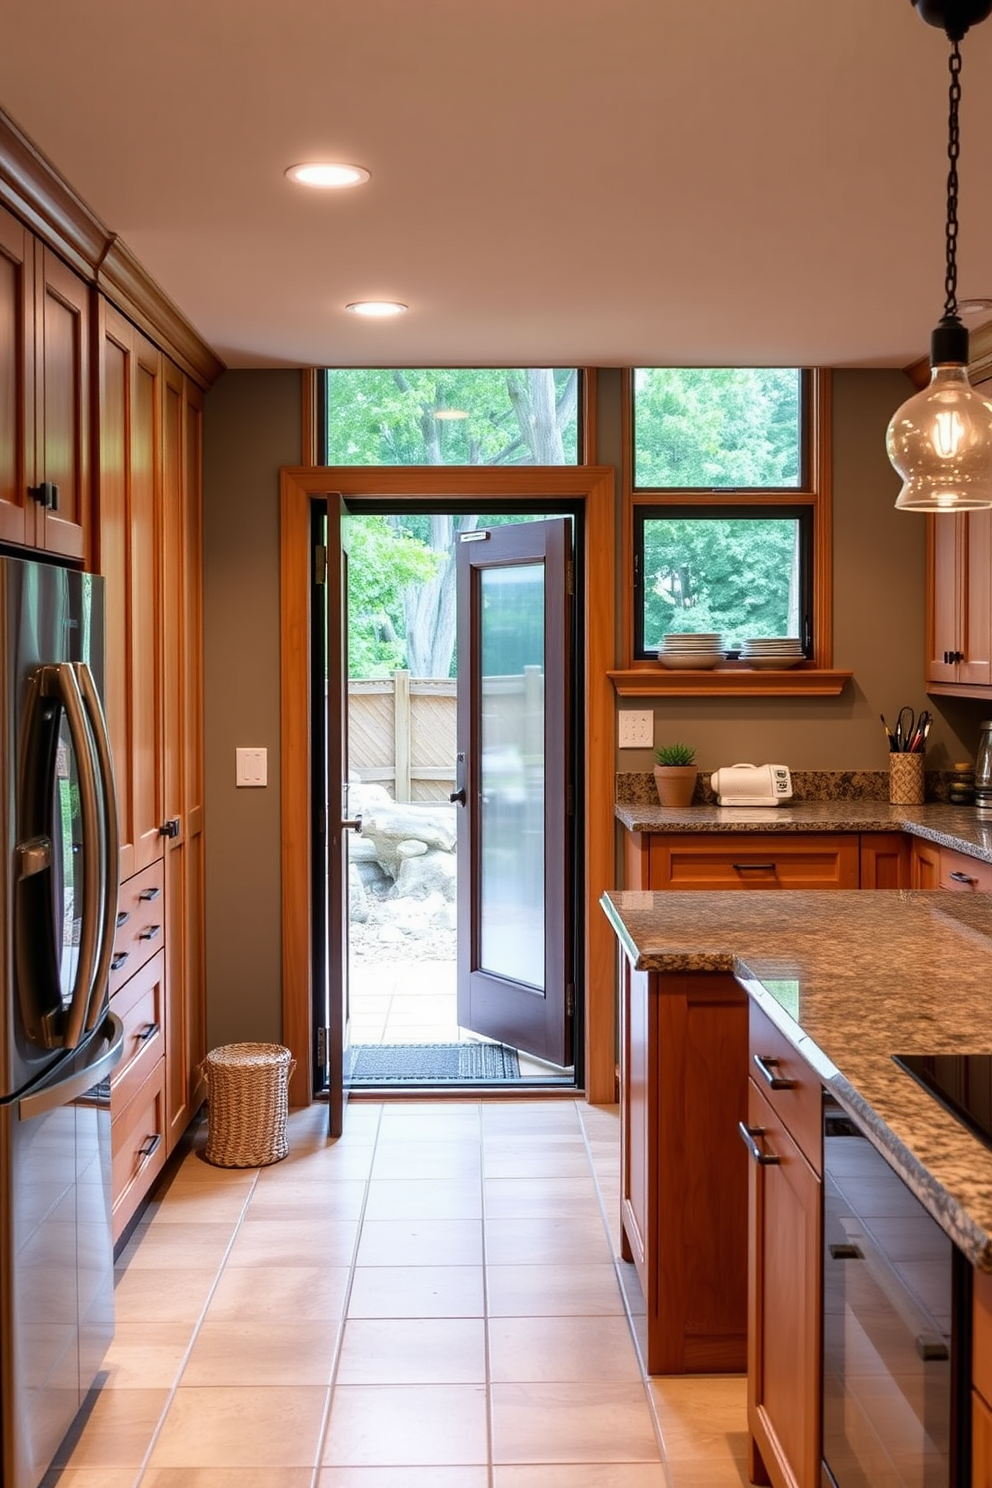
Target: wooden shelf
728, 681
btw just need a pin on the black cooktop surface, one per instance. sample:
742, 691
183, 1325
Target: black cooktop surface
962, 1083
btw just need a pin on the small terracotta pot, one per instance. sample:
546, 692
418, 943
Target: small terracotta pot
676, 784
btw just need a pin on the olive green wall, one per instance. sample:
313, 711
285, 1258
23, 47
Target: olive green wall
253, 426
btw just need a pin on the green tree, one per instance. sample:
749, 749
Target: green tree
382, 564
723, 427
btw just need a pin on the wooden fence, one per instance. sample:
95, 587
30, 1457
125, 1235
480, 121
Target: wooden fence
401, 729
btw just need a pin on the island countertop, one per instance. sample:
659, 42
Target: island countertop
853, 978
957, 827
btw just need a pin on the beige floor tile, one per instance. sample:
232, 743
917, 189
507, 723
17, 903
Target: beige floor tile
562, 1349
117, 1430
404, 1477
287, 1242
708, 1472
298, 1198
202, 1203
254, 1427
157, 1245
566, 1162
582, 1475
413, 1351
280, 1294
417, 1292
256, 1353
146, 1356
444, 1120
194, 1169
541, 1198
90, 1477
155, 1295
450, 1160
702, 1415
513, 1242
406, 1425
326, 1163
424, 1198
548, 1116
227, 1477
562, 1423
553, 1291
425, 1242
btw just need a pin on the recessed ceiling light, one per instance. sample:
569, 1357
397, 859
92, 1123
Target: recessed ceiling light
327, 174
974, 305
376, 309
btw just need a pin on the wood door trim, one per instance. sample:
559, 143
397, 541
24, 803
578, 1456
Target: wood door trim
594, 487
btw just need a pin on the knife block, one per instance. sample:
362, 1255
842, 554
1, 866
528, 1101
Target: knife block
906, 779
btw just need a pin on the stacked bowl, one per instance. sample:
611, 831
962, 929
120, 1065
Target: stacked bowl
698, 652
770, 652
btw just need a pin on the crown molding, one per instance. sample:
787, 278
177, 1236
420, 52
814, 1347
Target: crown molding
32, 188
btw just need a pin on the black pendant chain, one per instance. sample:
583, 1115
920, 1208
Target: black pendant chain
953, 151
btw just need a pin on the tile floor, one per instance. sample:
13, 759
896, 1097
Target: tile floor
429, 1302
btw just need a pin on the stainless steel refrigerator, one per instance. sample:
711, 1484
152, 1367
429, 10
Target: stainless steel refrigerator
58, 1040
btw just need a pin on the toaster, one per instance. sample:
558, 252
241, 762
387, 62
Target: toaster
752, 785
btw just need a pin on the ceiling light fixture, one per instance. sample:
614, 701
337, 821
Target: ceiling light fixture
940, 440
381, 309
328, 175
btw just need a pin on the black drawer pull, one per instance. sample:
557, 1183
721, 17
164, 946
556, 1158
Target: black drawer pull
169, 828
119, 960
150, 932
767, 1067
123, 917
960, 877
748, 1134
149, 1031
149, 894
754, 867
149, 1145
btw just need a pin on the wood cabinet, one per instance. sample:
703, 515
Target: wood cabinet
924, 865
935, 867
683, 1169
45, 409
784, 1275
959, 603
743, 860
981, 1379
150, 551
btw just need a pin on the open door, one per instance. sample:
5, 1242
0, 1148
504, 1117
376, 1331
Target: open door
338, 823
514, 881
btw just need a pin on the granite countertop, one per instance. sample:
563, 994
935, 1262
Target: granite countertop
852, 978
951, 826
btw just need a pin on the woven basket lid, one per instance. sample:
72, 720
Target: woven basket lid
241, 1056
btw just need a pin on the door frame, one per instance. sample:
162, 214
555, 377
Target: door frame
591, 486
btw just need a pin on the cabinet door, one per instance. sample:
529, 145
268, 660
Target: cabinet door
62, 405
925, 865
964, 874
17, 509
784, 1290
945, 561
885, 860
975, 667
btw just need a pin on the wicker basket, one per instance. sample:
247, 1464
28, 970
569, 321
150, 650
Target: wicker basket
247, 1092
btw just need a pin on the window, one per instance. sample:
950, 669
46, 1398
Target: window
729, 530
452, 416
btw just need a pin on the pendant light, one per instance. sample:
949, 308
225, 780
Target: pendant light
940, 440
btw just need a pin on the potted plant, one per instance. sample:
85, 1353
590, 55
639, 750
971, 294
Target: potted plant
675, 774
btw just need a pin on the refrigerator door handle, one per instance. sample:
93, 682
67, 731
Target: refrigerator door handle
111, 840
61, 681
105, 1058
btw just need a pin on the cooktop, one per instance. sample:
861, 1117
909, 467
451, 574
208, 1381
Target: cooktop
962, 1083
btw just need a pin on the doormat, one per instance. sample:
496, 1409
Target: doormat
392, 1063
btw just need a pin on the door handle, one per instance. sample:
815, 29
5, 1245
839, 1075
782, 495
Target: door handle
459, 796
354, 825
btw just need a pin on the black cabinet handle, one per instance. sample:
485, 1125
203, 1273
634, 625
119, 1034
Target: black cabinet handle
767, 1069
169, 828
960, 877
46, 495
123, 918
754, 867
149, 1145
119, 960
748, 1134
150, 932
149, 894
149, 1031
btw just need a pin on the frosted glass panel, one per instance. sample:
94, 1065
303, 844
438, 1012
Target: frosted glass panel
511, 737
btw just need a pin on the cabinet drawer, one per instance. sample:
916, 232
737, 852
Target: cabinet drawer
140, 923
138, 1146
797, 1101
965, 874
981, 1367
755, 861
139, 1005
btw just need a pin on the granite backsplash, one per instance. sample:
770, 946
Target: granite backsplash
637, 787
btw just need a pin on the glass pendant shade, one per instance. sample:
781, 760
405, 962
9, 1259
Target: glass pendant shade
940, 442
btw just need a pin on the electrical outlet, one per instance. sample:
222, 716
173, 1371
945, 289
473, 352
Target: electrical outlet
636, 729
252, 766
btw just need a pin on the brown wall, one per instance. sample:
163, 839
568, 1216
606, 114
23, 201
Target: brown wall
253, 425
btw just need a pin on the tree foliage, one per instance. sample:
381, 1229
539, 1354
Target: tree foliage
722, 427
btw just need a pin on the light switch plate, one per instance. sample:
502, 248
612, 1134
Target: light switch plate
252, 766
636, 729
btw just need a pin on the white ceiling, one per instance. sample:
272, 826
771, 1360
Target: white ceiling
595, 182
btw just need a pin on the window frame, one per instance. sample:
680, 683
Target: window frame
813, 493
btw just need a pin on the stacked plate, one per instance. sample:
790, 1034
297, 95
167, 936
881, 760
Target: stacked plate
698, 652
770, 652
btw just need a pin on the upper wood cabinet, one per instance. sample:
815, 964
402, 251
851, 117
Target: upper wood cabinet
959, 608
45, 380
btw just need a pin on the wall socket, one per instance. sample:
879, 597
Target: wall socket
635, 729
